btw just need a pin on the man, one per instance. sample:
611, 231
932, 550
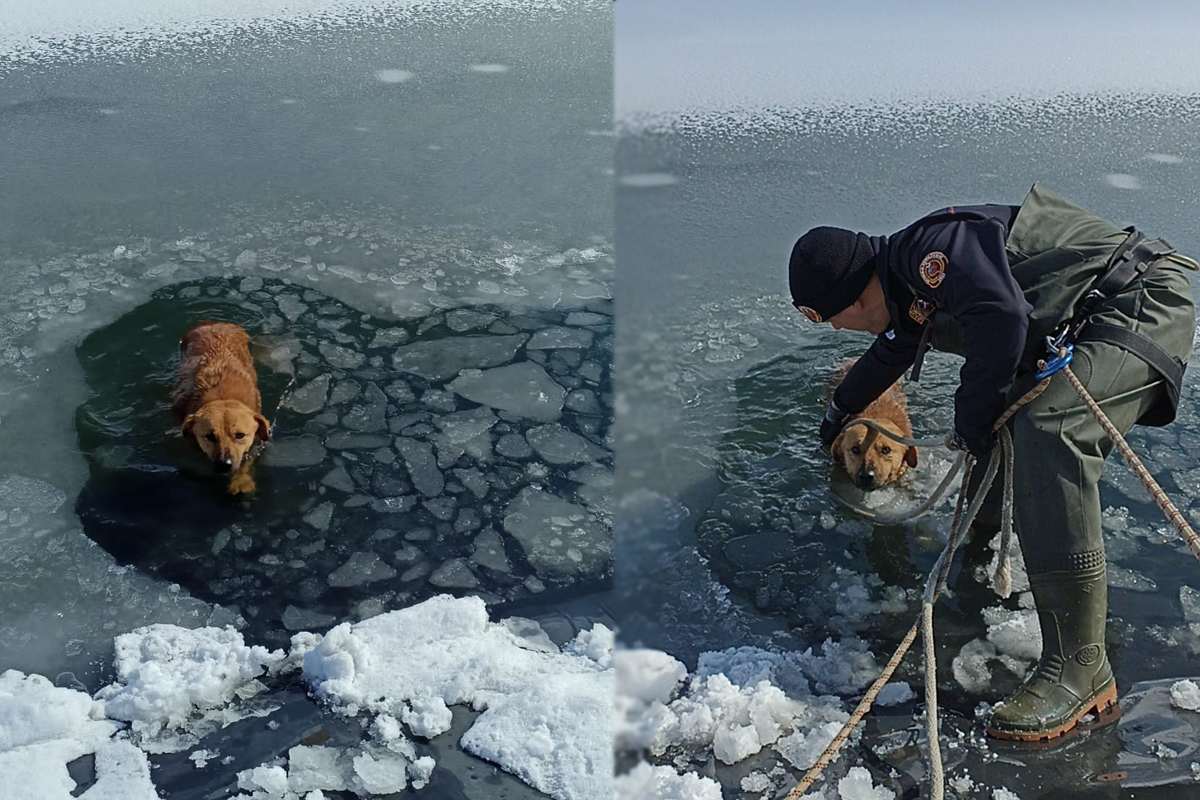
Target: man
991, 283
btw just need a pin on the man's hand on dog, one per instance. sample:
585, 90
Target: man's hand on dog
978, 446
831, 426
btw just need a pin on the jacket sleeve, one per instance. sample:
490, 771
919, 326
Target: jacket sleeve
885, 360
963, 265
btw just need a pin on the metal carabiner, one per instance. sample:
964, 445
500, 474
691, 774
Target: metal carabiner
1060, 359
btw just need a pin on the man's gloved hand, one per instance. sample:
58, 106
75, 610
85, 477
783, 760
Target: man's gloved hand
831, 426
976, 446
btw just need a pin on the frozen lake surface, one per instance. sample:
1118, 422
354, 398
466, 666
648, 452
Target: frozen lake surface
408, 205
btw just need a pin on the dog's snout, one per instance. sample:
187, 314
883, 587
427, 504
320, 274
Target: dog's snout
224, 463
865, 478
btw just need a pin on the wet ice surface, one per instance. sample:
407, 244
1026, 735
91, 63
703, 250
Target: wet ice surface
384, 482
725, 516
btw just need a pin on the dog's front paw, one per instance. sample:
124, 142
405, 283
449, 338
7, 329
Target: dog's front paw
241, 483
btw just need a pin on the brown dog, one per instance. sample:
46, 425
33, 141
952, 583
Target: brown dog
869, 457
217, 399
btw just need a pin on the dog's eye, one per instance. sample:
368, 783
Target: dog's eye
239, 436
856, 450
885, 450
212, 437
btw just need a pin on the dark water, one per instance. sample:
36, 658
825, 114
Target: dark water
724, 384
381, 486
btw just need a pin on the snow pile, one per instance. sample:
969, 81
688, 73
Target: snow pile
664, 783
43, 728
166, 675
738, 702
1185, 695
547, 713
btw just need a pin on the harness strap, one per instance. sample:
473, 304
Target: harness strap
1135, 258
922, 348
1144, 348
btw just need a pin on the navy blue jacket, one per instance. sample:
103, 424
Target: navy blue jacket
950, 262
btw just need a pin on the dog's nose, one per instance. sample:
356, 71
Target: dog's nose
865, 479
224, 464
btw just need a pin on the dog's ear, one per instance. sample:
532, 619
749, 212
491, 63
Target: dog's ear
264, 427
186, 428
835, 449
910, 457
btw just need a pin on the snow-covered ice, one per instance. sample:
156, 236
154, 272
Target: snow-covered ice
1186, 695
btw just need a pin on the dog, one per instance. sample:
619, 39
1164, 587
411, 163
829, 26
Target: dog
217, 399
869, 457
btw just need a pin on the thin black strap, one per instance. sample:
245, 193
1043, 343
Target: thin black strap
915, 375
1144, 348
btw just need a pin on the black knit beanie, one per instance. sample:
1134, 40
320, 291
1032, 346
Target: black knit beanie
828, 271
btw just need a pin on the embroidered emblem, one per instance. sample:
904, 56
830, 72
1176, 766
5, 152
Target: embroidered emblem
811, 314
891, 334
933, 269
1088, 655
920, 310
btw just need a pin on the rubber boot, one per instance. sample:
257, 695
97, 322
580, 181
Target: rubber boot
1073, 677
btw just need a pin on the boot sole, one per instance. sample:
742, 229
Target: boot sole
1105, 706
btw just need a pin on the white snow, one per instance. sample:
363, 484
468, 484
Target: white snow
736, 703
857, 785
1001, 793
1186, 695
547, 714
43, 728
664, 783
166, 673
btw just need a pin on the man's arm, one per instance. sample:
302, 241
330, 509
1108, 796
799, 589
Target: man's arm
885, 360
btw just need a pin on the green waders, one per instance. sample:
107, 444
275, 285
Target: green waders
1056, 250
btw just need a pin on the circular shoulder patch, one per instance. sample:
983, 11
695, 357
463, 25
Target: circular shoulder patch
933, 268
810, 313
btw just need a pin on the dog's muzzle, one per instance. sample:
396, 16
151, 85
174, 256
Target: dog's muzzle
223, 464
865, 479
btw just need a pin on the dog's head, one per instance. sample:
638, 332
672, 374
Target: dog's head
870, 458
225, 431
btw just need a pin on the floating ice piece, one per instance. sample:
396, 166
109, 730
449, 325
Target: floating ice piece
560, 539
894, 694
557, 445
664, 783
523, 389
454, 574
1185, 695
166, 673
557, 337
422, 466
309, 398
857, 785
362, 568
341, 357
489, 68
441, 359
489, 552
294, 451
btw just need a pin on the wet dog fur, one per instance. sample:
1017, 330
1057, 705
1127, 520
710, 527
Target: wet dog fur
217, 399
870, 458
